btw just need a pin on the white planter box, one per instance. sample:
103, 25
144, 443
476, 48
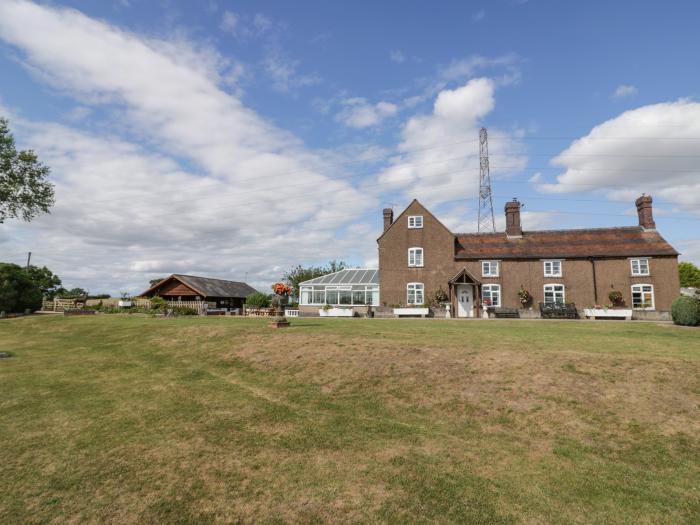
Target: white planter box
124, 304
411, 311
602, 313
335, 312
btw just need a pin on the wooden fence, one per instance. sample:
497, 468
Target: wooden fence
57, 305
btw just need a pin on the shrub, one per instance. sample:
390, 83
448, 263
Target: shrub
158, 303
185, 310
686, 311
258, 299
17, 291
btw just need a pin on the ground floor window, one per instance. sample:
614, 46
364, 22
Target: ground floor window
643, 297
352, 295
414, 293
553, 293
491, 295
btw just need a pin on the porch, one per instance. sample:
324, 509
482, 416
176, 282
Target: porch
464, 291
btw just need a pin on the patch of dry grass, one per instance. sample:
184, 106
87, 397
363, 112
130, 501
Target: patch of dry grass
124, 419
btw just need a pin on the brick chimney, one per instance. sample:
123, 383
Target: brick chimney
388, 218
644, 211
513, 226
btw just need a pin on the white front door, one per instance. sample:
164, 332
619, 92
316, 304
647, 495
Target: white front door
465, 301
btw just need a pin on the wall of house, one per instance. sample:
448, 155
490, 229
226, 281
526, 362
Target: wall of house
438, 252
577, 274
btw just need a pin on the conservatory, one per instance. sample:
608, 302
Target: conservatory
351, 287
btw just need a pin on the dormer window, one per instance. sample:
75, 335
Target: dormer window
415, 221
415, 257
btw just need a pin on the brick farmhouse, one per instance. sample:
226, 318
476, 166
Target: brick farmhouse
418, 255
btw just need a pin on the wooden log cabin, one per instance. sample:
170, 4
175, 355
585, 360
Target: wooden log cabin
228, 295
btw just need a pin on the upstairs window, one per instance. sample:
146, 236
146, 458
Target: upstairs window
489, 268
554, 293
415, 221
414, 293
552, 268
643, 297
415, 257
640, 266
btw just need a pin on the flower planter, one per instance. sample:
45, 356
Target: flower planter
335, 312
608, 313
422, 312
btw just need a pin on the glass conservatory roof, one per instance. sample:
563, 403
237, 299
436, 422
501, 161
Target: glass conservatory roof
349, 276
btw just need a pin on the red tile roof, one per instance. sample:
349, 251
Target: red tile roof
595, 242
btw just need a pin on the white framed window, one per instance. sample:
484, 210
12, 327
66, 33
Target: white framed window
643, 297
414, 293
552, 268
415, 221
639, 266
491, 295
415, 257
489, 268
554, 293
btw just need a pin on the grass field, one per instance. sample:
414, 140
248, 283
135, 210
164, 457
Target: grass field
140, 420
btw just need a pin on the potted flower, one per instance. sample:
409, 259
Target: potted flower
279, 301
524, 296
615, 297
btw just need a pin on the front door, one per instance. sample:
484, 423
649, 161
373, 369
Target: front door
465, 301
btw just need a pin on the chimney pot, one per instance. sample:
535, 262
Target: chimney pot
388, 217
645, 213
513, 226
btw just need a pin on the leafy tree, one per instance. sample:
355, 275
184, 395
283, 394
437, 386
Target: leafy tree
258, 299
153, 282
689, 274
72, 293
17, 291
25, 191
299, 273
48, 282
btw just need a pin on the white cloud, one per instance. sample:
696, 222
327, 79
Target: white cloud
478, 16
358, 113
282, 70
624, 91
439, 152
397, 56
242, 203
229, 22
651, 149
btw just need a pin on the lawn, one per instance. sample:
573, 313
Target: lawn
196, 420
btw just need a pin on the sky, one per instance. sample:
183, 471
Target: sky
238, 139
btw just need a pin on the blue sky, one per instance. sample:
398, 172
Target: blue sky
237, 139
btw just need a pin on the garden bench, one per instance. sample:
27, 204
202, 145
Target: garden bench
558, 311
505, 313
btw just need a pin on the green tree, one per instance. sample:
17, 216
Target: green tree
72, 293
17, 291
258, 299
25, 191
689, 274
153, 282
299, 273
47, 281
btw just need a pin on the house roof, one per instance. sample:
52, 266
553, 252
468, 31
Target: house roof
592, 242
348, 276
209, 287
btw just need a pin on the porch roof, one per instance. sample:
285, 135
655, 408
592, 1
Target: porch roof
461, 275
